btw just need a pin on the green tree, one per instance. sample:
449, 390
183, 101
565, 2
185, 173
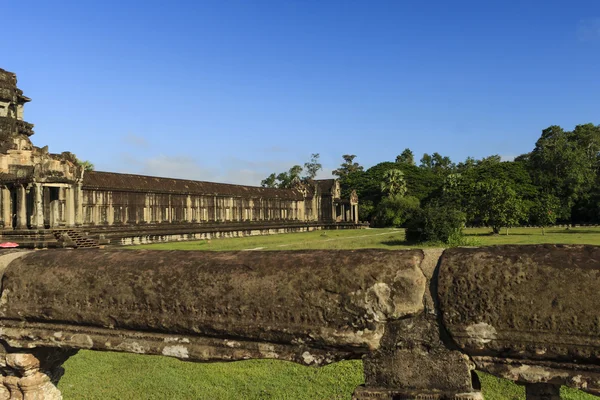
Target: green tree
426, 161
348, 166
407, 157
436, 223
270, 181
496, 204
543, 212
313, 166
365, 210
288, 179
395, 210
439, 164
87, 166
565, 164
393, 183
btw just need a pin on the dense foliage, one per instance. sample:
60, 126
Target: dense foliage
436, 223
557, 182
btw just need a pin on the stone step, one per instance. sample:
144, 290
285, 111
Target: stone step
80, 239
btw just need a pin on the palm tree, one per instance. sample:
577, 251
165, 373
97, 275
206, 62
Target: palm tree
393, 183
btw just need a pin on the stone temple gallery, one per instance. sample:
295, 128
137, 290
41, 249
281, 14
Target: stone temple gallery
49, 200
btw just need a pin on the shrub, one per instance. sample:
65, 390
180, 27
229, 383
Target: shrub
395, 210
436, 223
365, 210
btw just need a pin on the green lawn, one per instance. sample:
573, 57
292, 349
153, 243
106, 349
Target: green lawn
105, 375
391, 239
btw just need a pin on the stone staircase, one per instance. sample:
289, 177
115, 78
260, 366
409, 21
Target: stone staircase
79, 239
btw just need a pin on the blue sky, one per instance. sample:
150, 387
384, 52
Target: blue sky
233, 90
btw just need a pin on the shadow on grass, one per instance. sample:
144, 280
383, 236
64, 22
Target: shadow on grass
573, 230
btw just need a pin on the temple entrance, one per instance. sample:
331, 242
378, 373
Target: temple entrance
51, 206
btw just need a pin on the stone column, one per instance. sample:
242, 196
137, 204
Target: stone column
70, 206
170, 211
38, 207
356, 213
6, 208
542, 391
147, 210
21, 207
78, 204
188, 216
215, 208
110, 210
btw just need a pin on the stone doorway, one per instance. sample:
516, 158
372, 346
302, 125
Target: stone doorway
52, 204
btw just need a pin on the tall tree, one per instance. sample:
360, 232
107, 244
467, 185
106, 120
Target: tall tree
439, 164
406, 157
348, 166
313, 166
565, 164
290, 178
543, 213
496, 204
270, 181
426, 161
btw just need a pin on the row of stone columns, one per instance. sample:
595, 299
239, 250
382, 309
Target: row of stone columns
348, 215
16, 215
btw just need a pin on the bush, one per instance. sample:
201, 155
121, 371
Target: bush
395, 210
436, 223
365, 210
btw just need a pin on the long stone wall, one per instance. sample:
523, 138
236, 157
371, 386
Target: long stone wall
106, 207
420, 320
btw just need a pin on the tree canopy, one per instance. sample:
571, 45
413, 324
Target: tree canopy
558, 181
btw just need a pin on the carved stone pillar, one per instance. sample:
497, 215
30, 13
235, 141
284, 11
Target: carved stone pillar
188, 207
110, 210
38, 207
21, 207
542, 391
78, 204
31, 373
6, 208
70, 206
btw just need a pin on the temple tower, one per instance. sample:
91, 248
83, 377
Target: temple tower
37, 189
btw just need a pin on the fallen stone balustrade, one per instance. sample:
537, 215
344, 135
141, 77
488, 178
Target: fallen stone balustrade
422, 320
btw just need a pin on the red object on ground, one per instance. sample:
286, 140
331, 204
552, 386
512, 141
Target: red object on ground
9, 244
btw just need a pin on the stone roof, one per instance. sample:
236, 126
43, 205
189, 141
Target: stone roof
142, 183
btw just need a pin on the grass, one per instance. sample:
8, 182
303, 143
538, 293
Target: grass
104, 375
391, 239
